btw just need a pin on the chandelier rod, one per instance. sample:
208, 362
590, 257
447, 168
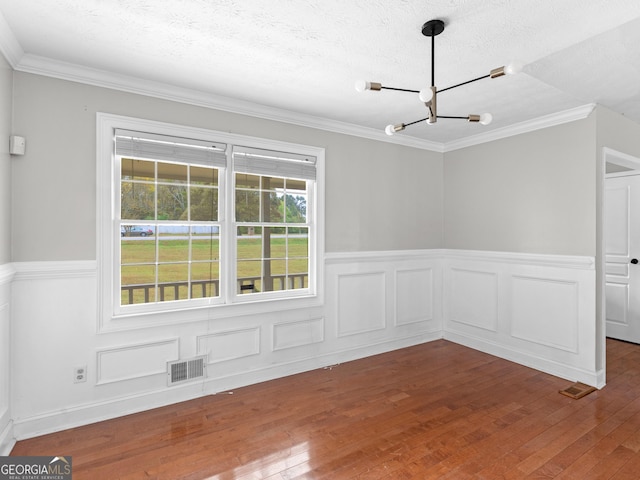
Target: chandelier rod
433, 63
382, 87
464, 83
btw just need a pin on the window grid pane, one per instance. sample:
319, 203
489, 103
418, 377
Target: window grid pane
271, 259
164, 262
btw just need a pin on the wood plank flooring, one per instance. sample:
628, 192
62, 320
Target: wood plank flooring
434, 411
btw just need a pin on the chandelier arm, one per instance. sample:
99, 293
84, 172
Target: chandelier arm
400, 89
417, 121
464, 83
447, 116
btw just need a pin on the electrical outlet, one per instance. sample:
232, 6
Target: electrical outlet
80, 374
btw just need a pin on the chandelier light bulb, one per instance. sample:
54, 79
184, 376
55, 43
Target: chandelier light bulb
362, 85
425, 95
512, 69
391, 129
486, 118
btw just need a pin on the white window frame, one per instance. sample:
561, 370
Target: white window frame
229, 304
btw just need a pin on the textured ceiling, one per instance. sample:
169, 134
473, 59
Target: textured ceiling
303, 57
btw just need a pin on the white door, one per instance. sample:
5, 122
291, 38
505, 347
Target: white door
622, 270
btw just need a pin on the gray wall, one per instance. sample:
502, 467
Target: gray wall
379, 196
6, 81
530, 193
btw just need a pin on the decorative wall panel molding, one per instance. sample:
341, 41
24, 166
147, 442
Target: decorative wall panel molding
298, 333
361, 303
5, 359
545, 311
474, 298
229, 344
135, 361
542, 312
374, 302
5, 376
414, 296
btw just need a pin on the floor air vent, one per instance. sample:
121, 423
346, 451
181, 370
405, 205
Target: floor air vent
184, 370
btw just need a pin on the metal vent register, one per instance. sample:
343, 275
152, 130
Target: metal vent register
180, 371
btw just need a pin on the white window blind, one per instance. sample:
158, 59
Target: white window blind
272, 163
174, 149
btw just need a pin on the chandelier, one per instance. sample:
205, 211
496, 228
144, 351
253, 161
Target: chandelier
429, 95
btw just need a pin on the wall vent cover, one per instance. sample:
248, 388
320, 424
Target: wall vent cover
180, 371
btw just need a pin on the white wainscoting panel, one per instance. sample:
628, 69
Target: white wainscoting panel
414, 296
5, 361
229, 345
136, 361
545, 311
544, 307
361, 303
474, 298
297, 333
380, 301
374, 302
6, 424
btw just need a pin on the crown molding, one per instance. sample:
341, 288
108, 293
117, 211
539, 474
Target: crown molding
546, 121
100, 78
76, 73
9, 45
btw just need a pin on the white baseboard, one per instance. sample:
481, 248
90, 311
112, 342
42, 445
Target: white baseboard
595, 378
7, 440
86, 414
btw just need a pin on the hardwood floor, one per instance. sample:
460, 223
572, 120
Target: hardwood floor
437, 410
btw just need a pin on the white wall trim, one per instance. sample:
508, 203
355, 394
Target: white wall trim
74, 268
76, 73
7, 273
336, 258
79, 415
313, 337
9, 45
53, 270
563, 261
7, 276
253, 333
553, 119
536, 362
34, 64
7, 439
545, 315
159, 367
620, 158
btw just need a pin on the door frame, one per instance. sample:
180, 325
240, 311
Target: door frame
632, 164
